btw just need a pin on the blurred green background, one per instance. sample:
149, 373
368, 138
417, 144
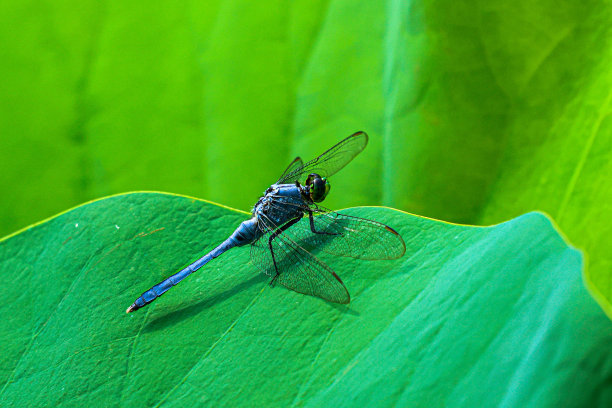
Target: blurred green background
477, 111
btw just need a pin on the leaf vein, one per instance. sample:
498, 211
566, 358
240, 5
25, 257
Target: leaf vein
583, 157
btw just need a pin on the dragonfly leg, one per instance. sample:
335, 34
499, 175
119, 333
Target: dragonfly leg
312, 226
274, 235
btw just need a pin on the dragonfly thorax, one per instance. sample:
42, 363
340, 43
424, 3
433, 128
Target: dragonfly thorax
282, 202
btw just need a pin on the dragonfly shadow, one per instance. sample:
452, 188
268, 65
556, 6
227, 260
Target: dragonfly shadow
186, 312
345, 309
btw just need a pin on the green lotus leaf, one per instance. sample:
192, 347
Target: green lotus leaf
470, 316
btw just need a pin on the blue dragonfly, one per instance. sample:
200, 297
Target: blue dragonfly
288, 223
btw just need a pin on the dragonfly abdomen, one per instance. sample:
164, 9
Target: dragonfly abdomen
246, 233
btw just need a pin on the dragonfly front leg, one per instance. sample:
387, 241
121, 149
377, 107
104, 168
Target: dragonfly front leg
312, 227
274, 235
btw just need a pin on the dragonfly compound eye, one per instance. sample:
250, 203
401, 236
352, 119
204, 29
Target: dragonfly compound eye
319, 189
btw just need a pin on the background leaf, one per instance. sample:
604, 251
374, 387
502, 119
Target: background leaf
469, 316
477, 112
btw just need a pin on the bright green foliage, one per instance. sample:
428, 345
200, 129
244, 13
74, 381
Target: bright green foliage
470, 316
510, 112
557, 137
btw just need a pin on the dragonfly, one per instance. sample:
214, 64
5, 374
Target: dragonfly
288, 224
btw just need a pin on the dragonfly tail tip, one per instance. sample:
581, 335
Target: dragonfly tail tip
131, 308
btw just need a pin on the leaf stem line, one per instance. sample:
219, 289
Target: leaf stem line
583, 157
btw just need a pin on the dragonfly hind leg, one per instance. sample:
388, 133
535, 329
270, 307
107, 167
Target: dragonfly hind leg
274, 235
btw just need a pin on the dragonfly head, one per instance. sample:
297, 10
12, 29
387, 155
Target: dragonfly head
318, 187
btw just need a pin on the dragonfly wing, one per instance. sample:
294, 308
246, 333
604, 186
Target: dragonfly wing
298, 269
294, 165
332, 160
346, 235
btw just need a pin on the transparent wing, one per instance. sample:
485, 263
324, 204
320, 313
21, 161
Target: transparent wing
332, 160
299, 270
346, 235
294, 165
